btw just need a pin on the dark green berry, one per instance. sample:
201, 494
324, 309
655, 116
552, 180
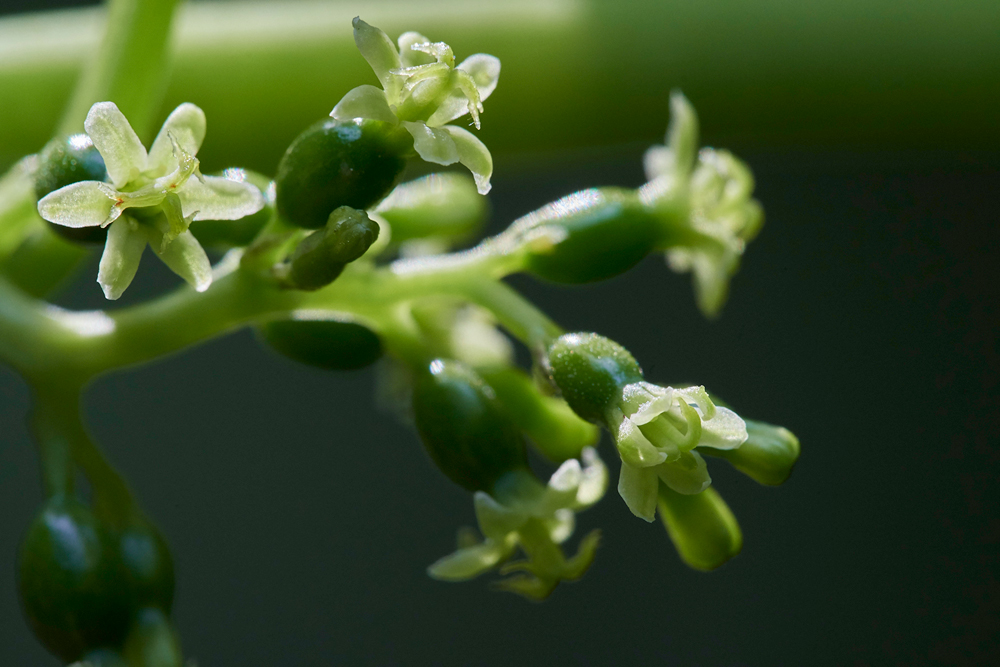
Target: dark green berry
64, 162
339, 163
323, 255
330, 344
147, 565
464, 428
70, 581
590, 371
606, 232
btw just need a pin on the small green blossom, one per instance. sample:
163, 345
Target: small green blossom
151, 199
423, 90
722, 216
656, 430
524, 513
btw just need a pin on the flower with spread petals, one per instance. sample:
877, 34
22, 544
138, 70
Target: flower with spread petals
423, 90
152, 197
524, 513
722, 217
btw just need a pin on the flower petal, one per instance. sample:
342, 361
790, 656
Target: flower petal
186, 124
567, 477
432, 144
116, 141
82, 204
185, 257
726, 430
120, 261
468, 562
364, 102
595, 479
495, 520
637, 487
377, 49
561, 525
687, 475
474, 155
634, 448
410, 57
217, 198
484, 70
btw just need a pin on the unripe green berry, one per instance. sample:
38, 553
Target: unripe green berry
605, 232
339, 163
322, 256
463, 427
325, 343
147, 565
590, 371
66, 161
439, 206
70, 581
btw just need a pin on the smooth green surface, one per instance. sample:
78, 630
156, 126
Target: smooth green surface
329, 344
701, 526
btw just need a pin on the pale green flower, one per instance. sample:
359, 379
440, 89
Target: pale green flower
656, 430
524, 513
423, 90
722, 215
151, 199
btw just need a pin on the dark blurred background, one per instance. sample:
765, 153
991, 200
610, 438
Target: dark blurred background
864, 318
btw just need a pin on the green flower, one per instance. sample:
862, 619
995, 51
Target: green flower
656, 430
151, 199
721, 215
524, 513
423, 90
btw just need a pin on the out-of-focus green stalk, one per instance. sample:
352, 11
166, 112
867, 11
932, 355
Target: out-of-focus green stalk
864, 73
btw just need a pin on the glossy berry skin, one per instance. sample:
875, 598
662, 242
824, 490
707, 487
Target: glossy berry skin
463, 427
590, 371
339, 163
323, 255
147, 566
328, 344
70, 581
607, 232
64, 162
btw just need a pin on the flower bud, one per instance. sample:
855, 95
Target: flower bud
767, 456
588, 236
225, 234
590, 371
439, 206
463, 426
322, 256
322, 340
701, 526
66, 161
339, 163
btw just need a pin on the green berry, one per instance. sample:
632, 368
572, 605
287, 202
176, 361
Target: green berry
590, 371
322, 256
331, 344
64, 162
463, 427
147, 564
604, 233
70, 581
339, 163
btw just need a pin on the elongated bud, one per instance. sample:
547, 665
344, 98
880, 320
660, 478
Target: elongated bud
323, 340
464, 428
701, 526
547, 421
590, 371
322, 255
768, 455
588, 236
440, 206
339, 163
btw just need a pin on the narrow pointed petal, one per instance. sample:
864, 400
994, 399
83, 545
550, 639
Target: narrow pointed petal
377, 49
120, 260
185, 257
468, 562
595, 479
682, 133
637, 487
725, 430
634, 448
433, 144
687, 475
217, 198
484, 70
474, 155
561, 525
581, 562
186, 124
567, 477
410, 57
701, 526
495, 520
116, 141
83, 204
364, 102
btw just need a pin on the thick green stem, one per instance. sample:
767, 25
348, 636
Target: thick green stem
130, 67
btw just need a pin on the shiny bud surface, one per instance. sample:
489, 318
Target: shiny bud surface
590, 371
